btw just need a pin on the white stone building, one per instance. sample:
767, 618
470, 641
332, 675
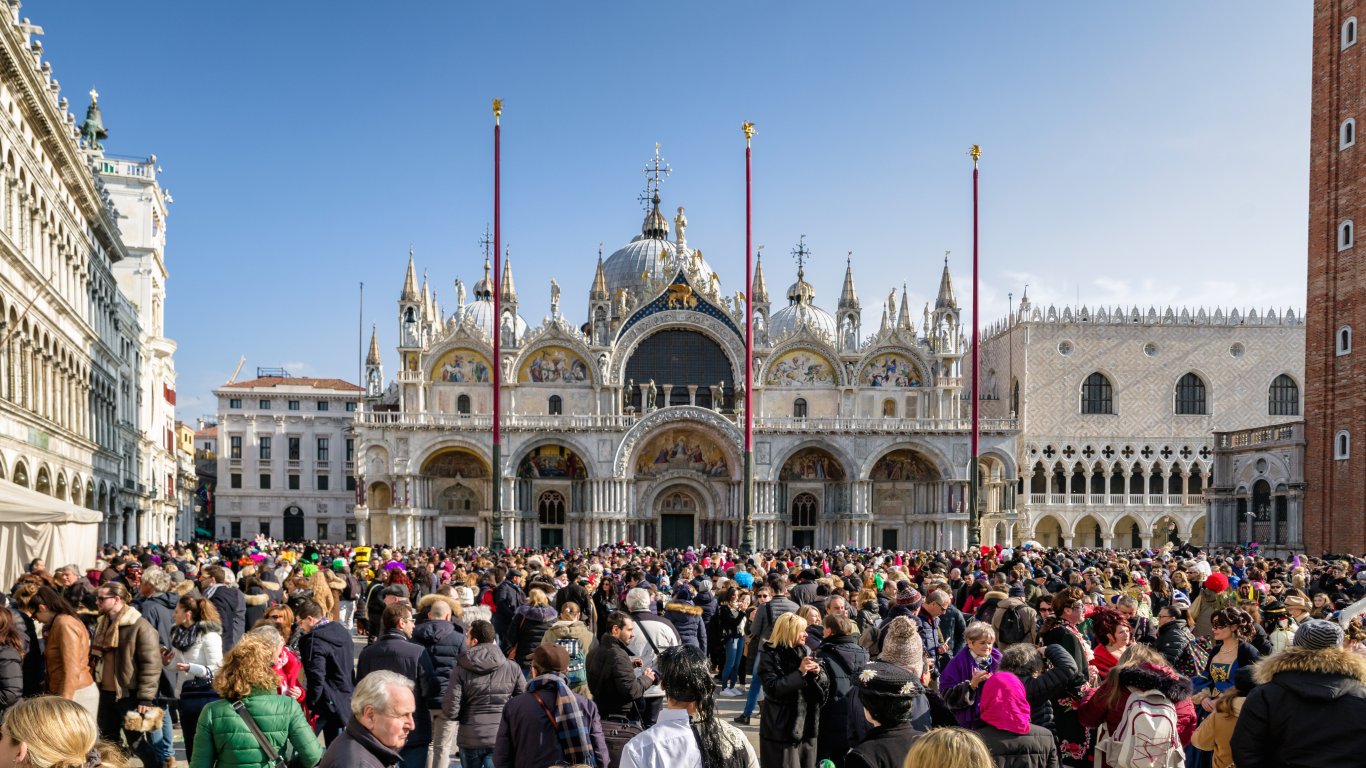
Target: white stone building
70, 340
141, 204
286, 467
1118, 409
627, 425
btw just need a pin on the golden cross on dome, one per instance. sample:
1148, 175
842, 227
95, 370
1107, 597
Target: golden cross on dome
654, 170
486, 241
801, 253
94, 95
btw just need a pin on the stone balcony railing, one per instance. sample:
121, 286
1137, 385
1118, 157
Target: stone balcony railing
1114, 500
1261, 436
613, 422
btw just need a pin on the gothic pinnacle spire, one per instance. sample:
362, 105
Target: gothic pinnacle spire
372, 358
759, 291
410, 280
599, 290
946, 298
509, 289
849, 296
904, 315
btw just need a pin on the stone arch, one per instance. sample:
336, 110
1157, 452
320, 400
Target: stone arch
1198, 531
455, 461
946, 469
1049, 531
1129, 533
1006, 461
1165, 527
675, 319
60, 487
20, 473
922, 372
1089, 531
548, 341
708, 493
450, 367
726, 433
537, 462
790, 350
570, 441
379, 495
838, 454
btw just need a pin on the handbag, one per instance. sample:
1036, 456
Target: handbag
617, 731
273, 758
143, 722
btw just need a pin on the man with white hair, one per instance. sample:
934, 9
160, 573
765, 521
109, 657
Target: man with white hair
381, 718
653, 634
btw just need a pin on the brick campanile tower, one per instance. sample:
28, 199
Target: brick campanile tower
1335, 357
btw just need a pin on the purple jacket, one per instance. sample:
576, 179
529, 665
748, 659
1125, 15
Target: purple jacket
965, 702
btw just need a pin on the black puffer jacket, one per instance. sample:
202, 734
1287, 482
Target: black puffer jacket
11, 677
1174, 641
687, 619
444, 642
258, 598
1307, 710
394, 652
480, 686
528, 629
842, 658
792, 703
1020, 750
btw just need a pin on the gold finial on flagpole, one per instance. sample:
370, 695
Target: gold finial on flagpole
976, 153
497, 109
748, 128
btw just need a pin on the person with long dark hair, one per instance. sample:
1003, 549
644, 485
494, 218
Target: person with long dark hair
67, 650
11, 660
688, 731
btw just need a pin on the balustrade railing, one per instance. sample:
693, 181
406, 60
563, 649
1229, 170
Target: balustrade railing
625, 421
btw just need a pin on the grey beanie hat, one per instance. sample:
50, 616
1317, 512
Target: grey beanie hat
1317, 634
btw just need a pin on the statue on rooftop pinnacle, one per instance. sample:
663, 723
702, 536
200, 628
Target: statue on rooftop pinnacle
92, 130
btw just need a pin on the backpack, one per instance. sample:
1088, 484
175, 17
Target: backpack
1146, 736
1014, 622
576, 675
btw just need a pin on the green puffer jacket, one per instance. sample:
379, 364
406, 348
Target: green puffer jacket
223, 739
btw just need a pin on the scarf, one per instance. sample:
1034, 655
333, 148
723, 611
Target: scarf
183, 638
106, 637
560, 706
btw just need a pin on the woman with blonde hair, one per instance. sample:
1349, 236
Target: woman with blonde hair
957, 747
53, 732
322, 592
794, 687
529, 626
247, 682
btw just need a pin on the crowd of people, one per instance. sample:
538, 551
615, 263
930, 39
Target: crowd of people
618, 656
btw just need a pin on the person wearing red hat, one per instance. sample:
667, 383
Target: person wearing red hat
1207, 603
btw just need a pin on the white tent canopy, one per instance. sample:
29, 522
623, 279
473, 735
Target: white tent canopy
33, 525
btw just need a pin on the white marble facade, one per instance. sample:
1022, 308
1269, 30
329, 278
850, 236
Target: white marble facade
629, 425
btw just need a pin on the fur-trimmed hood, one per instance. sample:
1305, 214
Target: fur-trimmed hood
1149, 677
687, 608
256, 599
425, 603
1330, 673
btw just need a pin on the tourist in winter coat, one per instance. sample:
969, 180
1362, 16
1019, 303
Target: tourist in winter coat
67, 649
1141, 669
1074, 740
232, 607
381, 718
197, 653
961, 682
686, 618
528, 627
482, 683
1042, 685
612, 677
653, 634
577, 640
128, 667
842, 658
326, 653
11, 661
258, 594
887, 694
526, 737
730, 625
1174, 638
794, 687
1006, 729
605, 601
442, 636
394, 651
507, 598
1312, 714
224, 740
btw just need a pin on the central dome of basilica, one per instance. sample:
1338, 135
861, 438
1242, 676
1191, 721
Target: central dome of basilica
651, 257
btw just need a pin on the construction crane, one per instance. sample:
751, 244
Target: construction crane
241, 361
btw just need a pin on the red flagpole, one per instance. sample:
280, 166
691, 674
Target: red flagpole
747, 529
497, 544
974, 517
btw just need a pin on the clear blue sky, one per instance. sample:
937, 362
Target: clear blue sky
1136, 154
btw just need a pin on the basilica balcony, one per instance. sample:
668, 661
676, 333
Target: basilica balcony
1115, 500
619, 422
878, 425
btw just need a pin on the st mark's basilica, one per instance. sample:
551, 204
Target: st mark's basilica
628, 425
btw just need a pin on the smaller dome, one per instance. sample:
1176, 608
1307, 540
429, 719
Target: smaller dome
480, 314
801, 291
801, 315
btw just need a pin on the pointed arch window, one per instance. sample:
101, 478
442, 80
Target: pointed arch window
1097, 395
804, 511
1284, 397
462, 405
1190, 396
550, 509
